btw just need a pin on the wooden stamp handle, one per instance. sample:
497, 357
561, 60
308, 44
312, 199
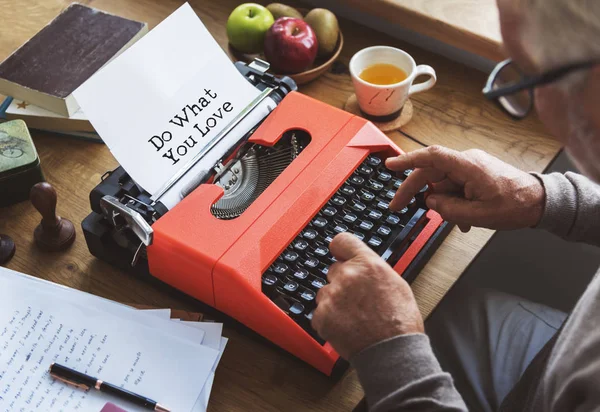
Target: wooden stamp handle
43, 198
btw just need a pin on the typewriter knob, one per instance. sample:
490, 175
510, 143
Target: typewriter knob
53, 233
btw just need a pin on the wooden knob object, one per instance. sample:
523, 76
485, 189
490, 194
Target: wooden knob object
54, 233
7, 249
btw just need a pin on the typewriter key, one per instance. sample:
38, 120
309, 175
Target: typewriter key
358, 206
384, 176
309, 234
374, 214
357, 180
348, 190
375, 185
374, 161
300, 245
320, 222
329, 211
300, 273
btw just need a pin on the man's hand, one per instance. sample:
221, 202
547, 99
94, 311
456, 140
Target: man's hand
365, 302
470, 188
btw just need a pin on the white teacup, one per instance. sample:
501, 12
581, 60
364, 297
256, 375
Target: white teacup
384, 102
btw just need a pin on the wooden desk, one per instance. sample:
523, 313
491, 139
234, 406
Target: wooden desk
470, 25
253, 374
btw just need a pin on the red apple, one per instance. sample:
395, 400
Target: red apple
290, 45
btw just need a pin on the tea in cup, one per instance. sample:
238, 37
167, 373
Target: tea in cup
383, 80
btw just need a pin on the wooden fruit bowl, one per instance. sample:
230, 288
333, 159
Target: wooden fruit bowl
319, 67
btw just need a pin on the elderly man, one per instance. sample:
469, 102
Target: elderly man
522, 358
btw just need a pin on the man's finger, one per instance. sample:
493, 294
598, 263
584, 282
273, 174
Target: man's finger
413, 184
457, 210
346, 246
438, 157
446, 186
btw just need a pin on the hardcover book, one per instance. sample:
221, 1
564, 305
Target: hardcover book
63, 55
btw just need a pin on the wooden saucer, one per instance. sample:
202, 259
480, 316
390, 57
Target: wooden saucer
405, 115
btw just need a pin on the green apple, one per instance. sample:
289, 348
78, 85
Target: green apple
247, 25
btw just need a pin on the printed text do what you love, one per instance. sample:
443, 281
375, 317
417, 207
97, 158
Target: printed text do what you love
211, 115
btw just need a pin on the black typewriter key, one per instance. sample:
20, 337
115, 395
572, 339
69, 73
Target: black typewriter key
319, 222
366, 196
397, 183
365, 170
408, 172
296, 310
350, 217
384, 231
348, 190
375, 242
300, 245
390, 194
300, 273
403, 211
290, 256
392, 220
328, 236
383, 205
279, 268
375, 185
412, 201
269, 283
318, 283
310, 234
311, 262
338, 200
373, 161
358, 206
374, 214
321, 251
324, 270
340, 228
307, 295
384, 177
359, 235
329, 211
357, 180
365, 225
291, 286
331, 259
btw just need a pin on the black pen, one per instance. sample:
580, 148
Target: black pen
83, 381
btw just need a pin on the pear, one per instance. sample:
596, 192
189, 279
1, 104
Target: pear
326, 27
281, 10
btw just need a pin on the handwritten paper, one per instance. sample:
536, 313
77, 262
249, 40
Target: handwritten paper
161, 101
37, 329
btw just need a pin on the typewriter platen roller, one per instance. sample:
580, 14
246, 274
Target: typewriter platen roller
252, 238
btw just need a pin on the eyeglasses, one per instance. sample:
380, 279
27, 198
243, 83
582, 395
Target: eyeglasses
513, 90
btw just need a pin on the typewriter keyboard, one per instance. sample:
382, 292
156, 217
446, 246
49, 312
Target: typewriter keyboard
361, 207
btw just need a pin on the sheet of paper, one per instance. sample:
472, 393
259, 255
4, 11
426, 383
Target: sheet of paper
202, 402
162, 100
37, 329
160, 313
9, 277
212, 332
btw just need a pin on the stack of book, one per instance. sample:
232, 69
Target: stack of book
40, 77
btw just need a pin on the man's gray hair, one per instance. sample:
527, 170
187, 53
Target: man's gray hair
563, 31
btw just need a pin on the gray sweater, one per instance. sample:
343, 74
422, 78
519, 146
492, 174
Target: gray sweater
402, 373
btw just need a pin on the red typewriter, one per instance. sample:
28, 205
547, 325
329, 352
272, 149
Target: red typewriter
251, 240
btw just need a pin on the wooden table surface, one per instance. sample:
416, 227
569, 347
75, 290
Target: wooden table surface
255, 375
470, 25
